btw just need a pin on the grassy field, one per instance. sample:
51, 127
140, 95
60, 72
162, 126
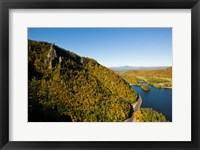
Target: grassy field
161, 78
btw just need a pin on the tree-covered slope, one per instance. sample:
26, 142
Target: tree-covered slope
149, 115
63, 86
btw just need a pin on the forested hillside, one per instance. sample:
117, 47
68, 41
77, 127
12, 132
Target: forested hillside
149, 115
63, 86
159, 78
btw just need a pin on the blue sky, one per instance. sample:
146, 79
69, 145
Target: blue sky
113, 47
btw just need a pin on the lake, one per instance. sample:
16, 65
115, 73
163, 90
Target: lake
157, 99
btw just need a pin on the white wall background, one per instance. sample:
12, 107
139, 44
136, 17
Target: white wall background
178, 130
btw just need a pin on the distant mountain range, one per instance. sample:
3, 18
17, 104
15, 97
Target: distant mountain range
126, 68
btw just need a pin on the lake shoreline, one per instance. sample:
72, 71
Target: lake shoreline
152, 86
159, 99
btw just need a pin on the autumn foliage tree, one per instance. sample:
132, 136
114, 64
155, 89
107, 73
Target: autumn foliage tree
74, 88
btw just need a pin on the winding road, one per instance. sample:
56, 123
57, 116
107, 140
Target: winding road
135, 109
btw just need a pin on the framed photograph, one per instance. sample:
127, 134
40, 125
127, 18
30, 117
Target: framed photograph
99, 74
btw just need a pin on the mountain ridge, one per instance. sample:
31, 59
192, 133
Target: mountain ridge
74, 88
126, 68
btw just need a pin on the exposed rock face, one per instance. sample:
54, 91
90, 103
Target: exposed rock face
51, 56
60, 61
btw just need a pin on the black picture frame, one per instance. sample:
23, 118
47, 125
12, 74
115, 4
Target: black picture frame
5, 5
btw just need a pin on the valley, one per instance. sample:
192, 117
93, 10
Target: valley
65, 87
159, 78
